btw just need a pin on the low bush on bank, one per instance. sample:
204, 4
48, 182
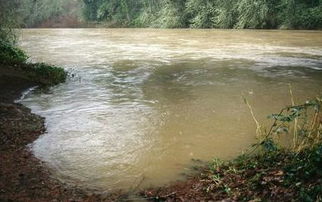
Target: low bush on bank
278, 175
43, 73
14, 61
236, 14
9, 53
273, 170
270, 171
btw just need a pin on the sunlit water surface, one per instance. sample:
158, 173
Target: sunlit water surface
143, 102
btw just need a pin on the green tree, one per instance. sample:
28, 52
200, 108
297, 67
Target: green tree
201, 13
8, 20
257, 14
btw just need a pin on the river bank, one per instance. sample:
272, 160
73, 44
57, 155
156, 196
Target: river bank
278, 176
23, 177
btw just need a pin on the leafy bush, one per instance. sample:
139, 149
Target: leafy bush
171, 15
311, 18
45, 74
8, 20
276, 171
201, 13
9, 53
258, 14
270, 176
15, 60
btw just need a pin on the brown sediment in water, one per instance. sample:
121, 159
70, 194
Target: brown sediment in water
25, 178
22, 176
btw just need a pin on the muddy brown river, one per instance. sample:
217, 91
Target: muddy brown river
144, 103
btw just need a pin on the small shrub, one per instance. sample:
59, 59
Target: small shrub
9, 53
48, 74
15, 60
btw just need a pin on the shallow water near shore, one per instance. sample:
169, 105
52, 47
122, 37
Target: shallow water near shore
143, 103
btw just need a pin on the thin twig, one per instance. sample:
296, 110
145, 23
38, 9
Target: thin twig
295, 134
258, 126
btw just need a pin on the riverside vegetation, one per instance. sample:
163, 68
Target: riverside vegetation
253, 14
271, 170
13, 61
40, 13
239, 14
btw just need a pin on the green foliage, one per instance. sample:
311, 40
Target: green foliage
41, 73
311, 18
272, 175
148, 12
35, 12
9, 53
305, 165
215, 164
300, 123
302, 169
31, 13
14, 61
284, 14
120, 12
296, 14
201, 13
225, 14
171, 15
304, 121
269, 145
300, 14
8, 20
251, 14
45, 74
275, 172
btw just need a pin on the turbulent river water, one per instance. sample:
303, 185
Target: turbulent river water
144, 103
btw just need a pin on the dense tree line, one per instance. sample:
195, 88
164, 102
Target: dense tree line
36, 12
254, 14
32, 13
292, 14
8, 20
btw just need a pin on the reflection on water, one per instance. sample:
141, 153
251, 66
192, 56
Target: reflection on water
144, 102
